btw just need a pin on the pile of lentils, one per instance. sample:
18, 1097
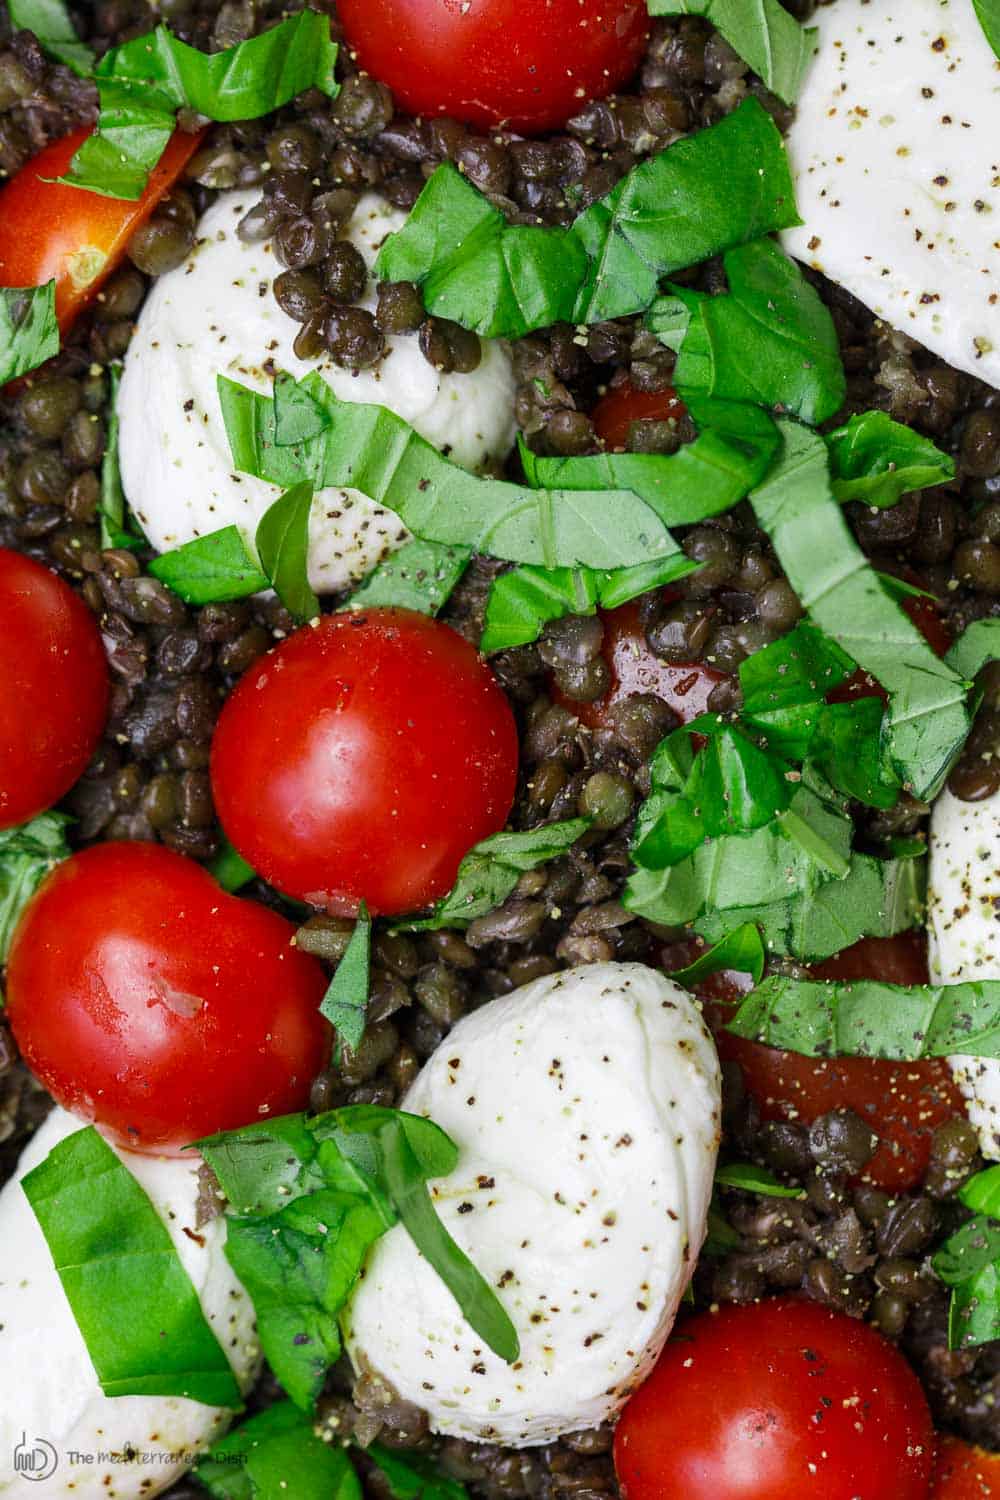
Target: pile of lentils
844, 1243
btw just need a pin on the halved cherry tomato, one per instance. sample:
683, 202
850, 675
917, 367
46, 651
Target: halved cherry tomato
964, 1472
615, 412
530, 64
148, 1000
903, 1102
48, 230
634, 669
777, 1400
53, 688
362, 758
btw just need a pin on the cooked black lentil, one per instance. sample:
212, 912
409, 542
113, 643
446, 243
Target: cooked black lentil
854, 1247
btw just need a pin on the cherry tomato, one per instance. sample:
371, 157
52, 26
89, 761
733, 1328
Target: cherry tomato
48, 230
634, 669
614, 413
964, 1472
530, 64
776, 1400
362, 758
903, 1102
53, 688
148, 1000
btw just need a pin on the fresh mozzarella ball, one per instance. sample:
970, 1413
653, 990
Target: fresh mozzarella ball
49, 1392
894, 151
216, 315
963, 908
586, 1110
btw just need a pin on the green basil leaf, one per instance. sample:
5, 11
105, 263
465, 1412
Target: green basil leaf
721, 1236
762, 32
50, 22
282, 543
420, 576
785, 685
770, 340
274, 1456
974, 1313
347, 995
928, 714
865, 1018
753, 1179
619, 585
230, 869
988, 14
742, 950
848, 748
27, 854
982, 1192
414, 1476
978, 644
29, 333
505, 280
211, 569
876, 460
113, 1253
968, 1251
491, 870
143, 83
114, 532
371, 449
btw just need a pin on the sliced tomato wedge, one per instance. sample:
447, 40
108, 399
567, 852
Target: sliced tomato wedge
48, 230
964, 1472
623, 404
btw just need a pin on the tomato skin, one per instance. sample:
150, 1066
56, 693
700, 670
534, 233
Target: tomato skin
964, 1472
148, 1000
362, 758
53, 688
623, 404
530, 64
776, 1400
49, 230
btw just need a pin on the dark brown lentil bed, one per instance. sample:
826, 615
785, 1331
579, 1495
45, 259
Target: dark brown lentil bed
853, 1248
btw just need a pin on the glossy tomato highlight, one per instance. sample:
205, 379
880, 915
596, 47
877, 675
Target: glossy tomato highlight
362, 758
776, 1400
148, 1000
53, 688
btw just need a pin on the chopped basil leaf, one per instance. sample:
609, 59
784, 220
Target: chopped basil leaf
785, 685
114, 532
420, 576
50, 22
988, 14
308, 1198
978, 644
29, 333
876, 460
372, 449
143, 84
928, 716
721, 1236
133, 1301
505, 280
414, 1476
762, 32
491, 870
230, 869
752, 1179
969, 1263
27, 854
982, 1192
742, 950
770, 340
212, 569
276, 1454
282, 543
865, 1018
347, 995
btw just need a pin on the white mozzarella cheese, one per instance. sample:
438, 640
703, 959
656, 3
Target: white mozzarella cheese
216, 315
586, 1108
963, 916
897, 171
51, 1404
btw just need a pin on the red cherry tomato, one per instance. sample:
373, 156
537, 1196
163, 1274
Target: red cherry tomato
776, 1400
148, 1000
614, 413
53, 688
48, 230
530, 64
362, 758
964, 1472
903, 1102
